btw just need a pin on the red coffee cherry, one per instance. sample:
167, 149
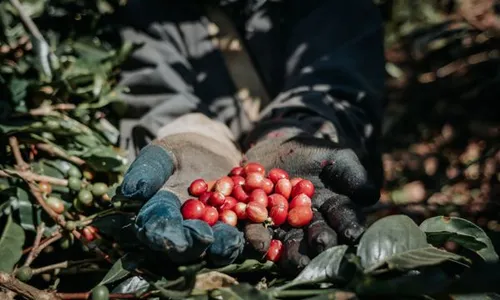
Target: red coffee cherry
277, 174
258, 196
283, 187
198, 187
303, 187
192, 209
210, 215
256, 212
224, 185
275, 250
300, 216
254, 167
229, 217
300, 200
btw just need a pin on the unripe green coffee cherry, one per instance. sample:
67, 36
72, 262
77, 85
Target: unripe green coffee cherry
100, 293
74, 183
99, 189
85, 197
24, 273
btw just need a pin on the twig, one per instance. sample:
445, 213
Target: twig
60, 265
45, 110
68, 264
36, 244
8, 295
310, 293
14, 146
86, 295
55, 151
59, 219
37, 250
9, 282
48, 240
81, 270
27, 20
30, 177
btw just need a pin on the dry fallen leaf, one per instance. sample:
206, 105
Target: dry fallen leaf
213, 280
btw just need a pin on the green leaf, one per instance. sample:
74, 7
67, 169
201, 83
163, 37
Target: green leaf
120, 269
61, 165
104, 159
107, 130
325, 266
11, 245
387, 237
44, 167
28, 215
18, 91
416, 258
7, 197
87, 47
249, 265
463, 232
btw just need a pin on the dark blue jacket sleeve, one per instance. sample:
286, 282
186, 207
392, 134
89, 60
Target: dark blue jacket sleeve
334, 70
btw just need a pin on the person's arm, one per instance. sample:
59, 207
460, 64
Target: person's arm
323, 126
178, 70
334, 72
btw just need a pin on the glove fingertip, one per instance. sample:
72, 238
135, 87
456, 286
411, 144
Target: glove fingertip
227, 246
159, 223
344, 218
147, 174
346, 175
162, 235
200, 231
257, 237
295, 257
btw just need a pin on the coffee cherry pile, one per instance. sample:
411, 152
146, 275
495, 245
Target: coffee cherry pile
247, 194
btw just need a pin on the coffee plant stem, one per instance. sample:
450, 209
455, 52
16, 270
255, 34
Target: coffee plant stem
45, 242
46, 110
60, 265
36, 244
27, 20
37, 250
30, 176
14, 146
86, 295
306, 293
9, 282
56, 151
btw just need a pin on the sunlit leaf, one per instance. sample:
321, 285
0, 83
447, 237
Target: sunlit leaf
388, 237
463, 232
325, 266
120, 269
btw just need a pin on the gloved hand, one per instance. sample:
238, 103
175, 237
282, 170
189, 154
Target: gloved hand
190, 147
342, 185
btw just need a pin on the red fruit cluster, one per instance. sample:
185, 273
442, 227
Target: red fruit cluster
248, 194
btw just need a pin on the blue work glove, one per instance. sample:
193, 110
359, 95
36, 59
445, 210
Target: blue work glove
191, 147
